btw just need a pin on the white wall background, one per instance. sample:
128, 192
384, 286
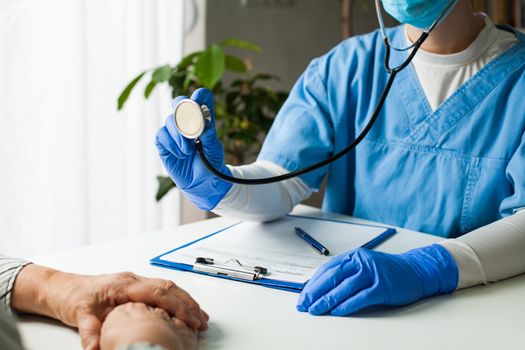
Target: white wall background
73, 170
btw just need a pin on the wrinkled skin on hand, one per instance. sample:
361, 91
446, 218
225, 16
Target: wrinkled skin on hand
90, 299
84, 301
138, 323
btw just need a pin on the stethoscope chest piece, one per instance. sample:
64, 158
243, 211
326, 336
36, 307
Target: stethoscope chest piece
191, 118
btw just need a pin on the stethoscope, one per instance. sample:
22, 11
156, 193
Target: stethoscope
192, 119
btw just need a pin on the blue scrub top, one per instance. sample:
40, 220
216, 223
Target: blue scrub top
444, 172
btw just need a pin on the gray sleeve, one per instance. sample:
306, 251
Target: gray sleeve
9, 336
142, 346
9, 269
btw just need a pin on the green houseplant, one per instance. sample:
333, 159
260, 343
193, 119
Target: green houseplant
244, 107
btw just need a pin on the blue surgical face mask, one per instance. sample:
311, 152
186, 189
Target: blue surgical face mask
419, 13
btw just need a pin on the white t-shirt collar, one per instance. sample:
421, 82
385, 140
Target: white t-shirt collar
486, 38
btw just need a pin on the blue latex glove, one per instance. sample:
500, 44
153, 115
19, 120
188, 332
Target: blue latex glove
182, 162
361, 278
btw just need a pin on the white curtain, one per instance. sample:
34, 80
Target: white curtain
73, 170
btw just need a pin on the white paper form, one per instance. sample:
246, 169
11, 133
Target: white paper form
275, 246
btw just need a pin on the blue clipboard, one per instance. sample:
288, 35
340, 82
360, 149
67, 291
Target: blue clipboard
266, 282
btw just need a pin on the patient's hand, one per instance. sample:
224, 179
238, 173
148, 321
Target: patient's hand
138, 323
85, 301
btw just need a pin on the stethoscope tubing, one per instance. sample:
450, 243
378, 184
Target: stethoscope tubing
292, 174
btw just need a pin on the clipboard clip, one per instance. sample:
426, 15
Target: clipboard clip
231, 268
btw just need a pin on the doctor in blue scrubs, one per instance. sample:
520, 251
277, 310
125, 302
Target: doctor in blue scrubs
446, 156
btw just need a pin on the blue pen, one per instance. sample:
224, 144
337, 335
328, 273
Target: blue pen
309, 239
374, 242
379, 239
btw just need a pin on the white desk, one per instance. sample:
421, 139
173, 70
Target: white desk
245, 316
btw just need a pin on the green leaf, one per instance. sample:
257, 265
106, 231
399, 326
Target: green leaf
187, 81
161, 74
187, 60
235, 64
165, 185
210, 65
240, 44
127, 90
149, 88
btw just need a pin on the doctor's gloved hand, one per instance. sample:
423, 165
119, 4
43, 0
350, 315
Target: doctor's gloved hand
183, 164
355, 280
